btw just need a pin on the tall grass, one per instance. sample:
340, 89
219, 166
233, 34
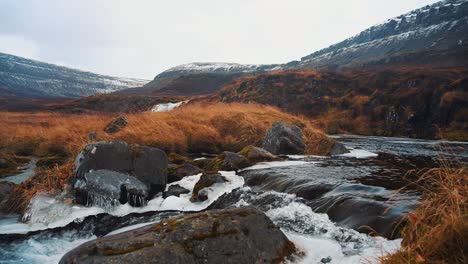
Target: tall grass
437, 231
192, 128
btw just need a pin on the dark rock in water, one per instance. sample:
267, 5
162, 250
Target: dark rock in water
105, 187
5, 189
407, 162
228, 161
326, 260
206, 180
338, 149
256, 154
243, 235
175, 190
178, 172
282, 138
148, 165
116, 125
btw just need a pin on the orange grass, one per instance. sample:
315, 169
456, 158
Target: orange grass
437, 231
192, 128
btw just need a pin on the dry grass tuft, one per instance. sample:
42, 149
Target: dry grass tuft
437, 231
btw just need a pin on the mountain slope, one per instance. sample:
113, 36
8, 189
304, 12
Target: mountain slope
435, 34
25, 77
197, 78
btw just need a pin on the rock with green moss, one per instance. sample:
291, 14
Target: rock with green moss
178, 159
256, 154
206, 180
240, 235
228, 161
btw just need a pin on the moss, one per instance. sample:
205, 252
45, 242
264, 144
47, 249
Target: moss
215, 164
245, 151
175, 158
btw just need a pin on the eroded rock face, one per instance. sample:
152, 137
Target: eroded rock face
105, 187
282, 138
116, 125
241, 235
132, 166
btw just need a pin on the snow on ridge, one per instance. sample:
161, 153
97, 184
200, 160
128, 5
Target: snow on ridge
202, 67
167, 107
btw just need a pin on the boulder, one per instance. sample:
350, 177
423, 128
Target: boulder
338, 149
256, 154
177, 172
228, 161
116, 125
206, 180
147, 165
175, 190
241, 235
108, 188
282, 138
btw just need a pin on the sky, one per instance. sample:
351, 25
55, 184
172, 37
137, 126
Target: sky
142, 38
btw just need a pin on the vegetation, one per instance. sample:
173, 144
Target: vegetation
198, 127
414, 102
436, 232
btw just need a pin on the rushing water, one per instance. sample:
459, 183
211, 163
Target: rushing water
326, 205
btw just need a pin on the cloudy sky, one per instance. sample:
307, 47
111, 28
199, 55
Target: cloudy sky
144, 37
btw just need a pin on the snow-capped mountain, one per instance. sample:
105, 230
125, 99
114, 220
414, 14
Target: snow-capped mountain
436, 33
24, 77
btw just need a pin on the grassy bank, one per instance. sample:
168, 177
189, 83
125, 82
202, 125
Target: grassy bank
437, 231
208, 128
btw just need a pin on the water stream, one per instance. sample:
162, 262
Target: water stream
325, 205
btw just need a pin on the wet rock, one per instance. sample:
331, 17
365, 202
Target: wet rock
338, 149
175, 190
282, 138
326, 260
176, 173
206, 180
116, 125
148, 165
242, 235
256, 154
175, 158
228, 161
5, 189
105, 187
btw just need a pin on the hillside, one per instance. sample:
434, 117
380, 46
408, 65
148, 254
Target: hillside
435, 34
29, 78
415, 102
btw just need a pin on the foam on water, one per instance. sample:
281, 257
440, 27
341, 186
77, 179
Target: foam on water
273, 164
359, 154
48, 212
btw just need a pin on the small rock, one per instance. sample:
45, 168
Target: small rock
116, 125
92, 135
206, 180
338, 149
256, 154
282, 138
175, 190
326, 260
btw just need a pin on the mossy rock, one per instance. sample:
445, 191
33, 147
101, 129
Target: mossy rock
227, 161
178, 159
256, 154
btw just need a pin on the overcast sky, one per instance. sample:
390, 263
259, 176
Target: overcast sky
142, 38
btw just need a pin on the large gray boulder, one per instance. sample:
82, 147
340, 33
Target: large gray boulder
241, 235
282, 138
145, 164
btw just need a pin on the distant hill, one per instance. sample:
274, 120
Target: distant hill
433, 36
30, 78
